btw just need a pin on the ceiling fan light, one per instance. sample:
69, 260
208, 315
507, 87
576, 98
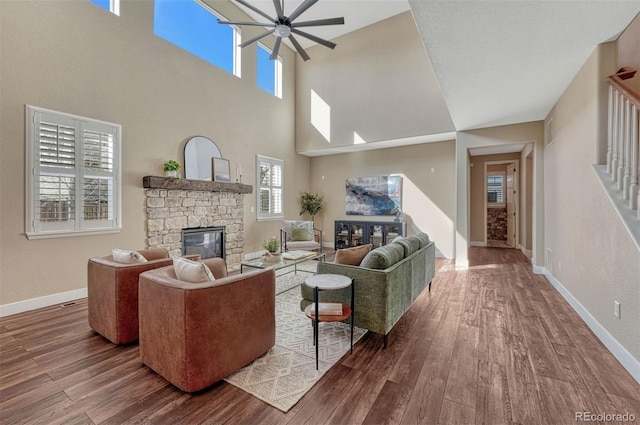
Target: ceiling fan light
282, 30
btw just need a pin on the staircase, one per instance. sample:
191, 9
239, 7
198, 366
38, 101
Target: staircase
620, 175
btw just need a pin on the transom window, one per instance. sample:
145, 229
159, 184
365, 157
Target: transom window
270, 188
269, 72
193, 26
112, 6
73, 179
495, 188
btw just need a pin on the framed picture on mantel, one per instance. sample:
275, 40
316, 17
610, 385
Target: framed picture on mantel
220, 170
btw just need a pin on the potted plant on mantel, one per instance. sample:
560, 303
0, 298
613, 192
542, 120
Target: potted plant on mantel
272, 255
171, 168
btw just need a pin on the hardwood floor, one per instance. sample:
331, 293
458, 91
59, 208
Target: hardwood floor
494, 344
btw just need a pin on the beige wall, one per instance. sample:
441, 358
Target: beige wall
378, 83
628, 48
75, 57
594, 257
477, 194
428, 197
531, 132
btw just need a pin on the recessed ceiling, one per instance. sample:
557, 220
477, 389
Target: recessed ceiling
357, 14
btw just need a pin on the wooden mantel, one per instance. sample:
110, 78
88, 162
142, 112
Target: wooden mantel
172, 183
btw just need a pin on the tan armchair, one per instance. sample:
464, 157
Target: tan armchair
112, 294
312, 241
195, 334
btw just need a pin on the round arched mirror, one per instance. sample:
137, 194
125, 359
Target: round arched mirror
198, 152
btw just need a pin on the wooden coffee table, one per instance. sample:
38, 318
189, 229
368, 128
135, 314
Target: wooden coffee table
329, 282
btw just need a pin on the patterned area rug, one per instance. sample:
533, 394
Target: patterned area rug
285, 374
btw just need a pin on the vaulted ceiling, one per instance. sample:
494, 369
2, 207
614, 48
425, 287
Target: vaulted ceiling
497, 62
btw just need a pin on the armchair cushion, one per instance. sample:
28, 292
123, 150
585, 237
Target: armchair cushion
288, 227
300, 232
126, 256
192, 271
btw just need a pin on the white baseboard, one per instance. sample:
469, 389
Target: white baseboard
525, 251
477, 243
331, 245
630, 363
46, 301
253, 255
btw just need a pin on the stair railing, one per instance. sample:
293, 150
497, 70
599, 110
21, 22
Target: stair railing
623, 147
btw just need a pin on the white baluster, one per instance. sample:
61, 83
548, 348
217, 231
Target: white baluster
610, 130
635, 153
621, 133
626, 149
614, 142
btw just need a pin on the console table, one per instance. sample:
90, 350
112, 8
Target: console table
350, 233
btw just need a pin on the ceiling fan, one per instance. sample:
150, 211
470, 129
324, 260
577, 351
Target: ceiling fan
283, 26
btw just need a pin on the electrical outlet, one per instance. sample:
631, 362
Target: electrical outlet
616, 309
253, 209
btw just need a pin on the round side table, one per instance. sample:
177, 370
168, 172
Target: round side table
329, 282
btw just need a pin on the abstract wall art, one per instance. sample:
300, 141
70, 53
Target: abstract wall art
373, 195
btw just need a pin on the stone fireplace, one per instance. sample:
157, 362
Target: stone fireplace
176, 204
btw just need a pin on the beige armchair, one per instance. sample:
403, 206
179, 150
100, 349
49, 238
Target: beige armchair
292, 239
195, 334
112, 293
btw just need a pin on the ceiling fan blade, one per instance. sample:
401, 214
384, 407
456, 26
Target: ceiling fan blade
301, 9
255, 9
299, 48
314, 38
254, 24
257, 37
276, 49
318, 22
278, 6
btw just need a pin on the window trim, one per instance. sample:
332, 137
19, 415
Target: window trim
79, 229
277, 72
269, 216
502, 187
114, 6
237, 38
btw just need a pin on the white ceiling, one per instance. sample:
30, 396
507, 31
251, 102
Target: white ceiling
497, 62
357, 14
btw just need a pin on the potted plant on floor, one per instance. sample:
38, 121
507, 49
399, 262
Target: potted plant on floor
311, 203
271, 245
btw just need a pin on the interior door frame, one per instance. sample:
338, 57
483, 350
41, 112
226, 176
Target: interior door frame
516, 163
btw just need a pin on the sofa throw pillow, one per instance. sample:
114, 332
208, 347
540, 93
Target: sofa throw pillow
352, 256
300, 232
192, 271
126, 256
383, 257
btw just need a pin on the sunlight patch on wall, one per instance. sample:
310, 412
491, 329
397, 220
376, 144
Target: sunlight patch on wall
423, 215
321, 115
357, 140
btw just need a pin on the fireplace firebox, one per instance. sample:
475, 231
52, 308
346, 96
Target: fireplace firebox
206, 241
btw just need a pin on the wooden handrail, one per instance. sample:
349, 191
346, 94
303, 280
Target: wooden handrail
617, 80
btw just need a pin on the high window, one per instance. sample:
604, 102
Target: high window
270, 189
73, 175
495, 188
193, 26
269, 72
112, 6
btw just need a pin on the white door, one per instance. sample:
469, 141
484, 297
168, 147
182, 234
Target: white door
511, 200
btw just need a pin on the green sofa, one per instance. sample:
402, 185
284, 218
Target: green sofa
387, 281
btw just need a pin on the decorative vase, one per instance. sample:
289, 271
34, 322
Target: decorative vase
171, 173
272, 257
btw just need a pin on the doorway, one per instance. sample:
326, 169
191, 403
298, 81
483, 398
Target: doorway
501, 202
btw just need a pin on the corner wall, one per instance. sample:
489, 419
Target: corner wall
591, 254
75, 57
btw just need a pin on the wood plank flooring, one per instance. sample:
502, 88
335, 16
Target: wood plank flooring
494, 344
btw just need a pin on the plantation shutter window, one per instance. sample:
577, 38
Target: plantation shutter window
270, 188
72, 174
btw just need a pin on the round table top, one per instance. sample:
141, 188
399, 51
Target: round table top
328, 281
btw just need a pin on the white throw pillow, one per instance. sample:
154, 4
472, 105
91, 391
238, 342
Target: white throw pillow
126, 256
192, 271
